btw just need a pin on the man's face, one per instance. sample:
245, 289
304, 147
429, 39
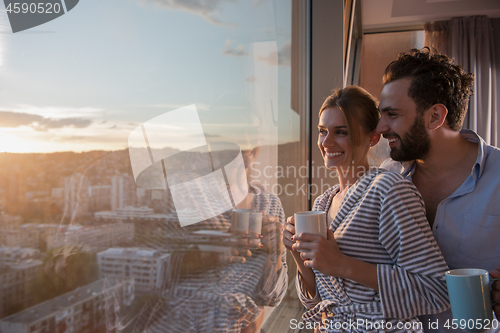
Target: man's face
400, 123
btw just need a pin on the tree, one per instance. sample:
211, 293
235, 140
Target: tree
66, 268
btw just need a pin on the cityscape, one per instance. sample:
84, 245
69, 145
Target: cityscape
83, 210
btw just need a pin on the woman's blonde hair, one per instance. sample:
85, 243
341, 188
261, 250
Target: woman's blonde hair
360, 110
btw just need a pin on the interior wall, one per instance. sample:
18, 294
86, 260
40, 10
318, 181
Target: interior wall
496, 36
379, 50
327, 72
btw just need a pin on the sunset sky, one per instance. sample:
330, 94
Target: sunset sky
86, 80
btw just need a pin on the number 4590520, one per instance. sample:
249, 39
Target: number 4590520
32, 8
471, 324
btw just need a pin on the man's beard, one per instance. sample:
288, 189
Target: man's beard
415, 144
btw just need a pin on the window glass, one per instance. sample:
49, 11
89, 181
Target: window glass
129, 132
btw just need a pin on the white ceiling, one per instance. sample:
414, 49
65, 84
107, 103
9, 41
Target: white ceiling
390, 14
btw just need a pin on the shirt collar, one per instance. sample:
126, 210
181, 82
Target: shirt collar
472, 136
408, 168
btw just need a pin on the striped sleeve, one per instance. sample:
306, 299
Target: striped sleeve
415, 284
274, 283
304, 296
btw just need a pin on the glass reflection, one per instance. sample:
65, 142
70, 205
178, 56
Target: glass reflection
118, 211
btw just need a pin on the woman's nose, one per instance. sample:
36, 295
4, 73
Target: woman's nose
329, 140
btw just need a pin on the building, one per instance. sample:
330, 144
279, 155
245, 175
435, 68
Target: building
151, 229
46, 233
13, 255
128, 213
76, 197
18, 237
146, 267
80, 310
95, 237
15, 282
99, 198
15, 190
9, 221
38, 205
123, 191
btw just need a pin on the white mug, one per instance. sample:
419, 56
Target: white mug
240, 220
255, 222
312, 222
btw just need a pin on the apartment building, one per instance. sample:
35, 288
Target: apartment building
9, 221
146, 267
46, 233
15, 281
95, 237
129, 213
81, 310
13, 255
18, 237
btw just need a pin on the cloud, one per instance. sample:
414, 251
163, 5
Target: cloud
39, 123
212, 135
283, 58
56, 112
207, 9
89, 139
199, 106
238, 51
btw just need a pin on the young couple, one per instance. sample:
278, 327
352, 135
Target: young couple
393, 235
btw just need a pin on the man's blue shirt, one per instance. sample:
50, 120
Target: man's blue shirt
467, 223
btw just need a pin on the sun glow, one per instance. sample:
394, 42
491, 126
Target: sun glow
11, 143
26, 140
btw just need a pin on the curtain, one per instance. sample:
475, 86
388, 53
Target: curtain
437, 36
470, 43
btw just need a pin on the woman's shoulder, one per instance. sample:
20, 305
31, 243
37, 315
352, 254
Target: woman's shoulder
383, 179
322, 201
388, 176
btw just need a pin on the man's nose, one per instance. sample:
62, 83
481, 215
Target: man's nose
382, 126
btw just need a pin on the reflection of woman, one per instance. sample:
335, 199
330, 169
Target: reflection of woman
229, 296
214, 292
226, 296
380, 261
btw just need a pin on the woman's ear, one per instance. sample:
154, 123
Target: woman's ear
436, 116
255, 152
374, 138
250, 156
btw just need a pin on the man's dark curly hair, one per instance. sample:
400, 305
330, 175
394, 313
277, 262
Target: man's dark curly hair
435, 79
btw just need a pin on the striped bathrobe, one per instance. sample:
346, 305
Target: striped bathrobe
380, 221
228, 297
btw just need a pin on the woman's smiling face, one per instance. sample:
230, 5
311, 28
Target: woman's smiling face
333, 140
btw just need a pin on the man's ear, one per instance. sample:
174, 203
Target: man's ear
436, 116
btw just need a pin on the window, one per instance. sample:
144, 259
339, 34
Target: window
79, 86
